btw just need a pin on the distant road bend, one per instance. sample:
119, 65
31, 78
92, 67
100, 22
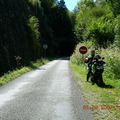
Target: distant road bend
47, 93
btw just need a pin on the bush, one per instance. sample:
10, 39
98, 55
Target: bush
102, 31
112, 59
117, 31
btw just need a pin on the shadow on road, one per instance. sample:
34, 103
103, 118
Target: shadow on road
64, 58
36, 68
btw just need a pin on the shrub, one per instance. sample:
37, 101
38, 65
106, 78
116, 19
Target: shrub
117, 31
112, 59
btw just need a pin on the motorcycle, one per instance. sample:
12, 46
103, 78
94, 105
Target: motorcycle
97, 71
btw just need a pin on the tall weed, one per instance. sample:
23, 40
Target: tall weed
112, 58
111, 55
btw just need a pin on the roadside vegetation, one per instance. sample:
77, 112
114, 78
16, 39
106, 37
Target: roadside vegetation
29, 31
26, 26
104, 102
97, 26
11, 75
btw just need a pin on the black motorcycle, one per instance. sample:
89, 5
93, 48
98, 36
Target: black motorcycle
97, 71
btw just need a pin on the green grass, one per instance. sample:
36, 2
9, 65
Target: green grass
16, 73
103, 102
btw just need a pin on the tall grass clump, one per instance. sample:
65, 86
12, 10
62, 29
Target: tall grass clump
112, 58
111, 55
11, 75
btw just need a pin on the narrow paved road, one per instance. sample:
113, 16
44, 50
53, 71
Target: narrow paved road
48, 93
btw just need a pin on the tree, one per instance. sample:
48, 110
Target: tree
95, 22
26, 25
83, 18
115, 6
33, 24
63, 29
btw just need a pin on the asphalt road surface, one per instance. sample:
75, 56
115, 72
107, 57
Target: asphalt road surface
47, 93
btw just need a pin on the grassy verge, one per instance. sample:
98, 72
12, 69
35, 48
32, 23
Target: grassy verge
14, 74
104, 102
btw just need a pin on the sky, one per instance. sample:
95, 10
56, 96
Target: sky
71, 4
